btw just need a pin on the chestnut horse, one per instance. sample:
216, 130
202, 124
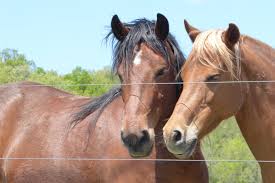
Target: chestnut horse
224, 64
35, 120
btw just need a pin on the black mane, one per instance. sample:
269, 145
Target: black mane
141, 30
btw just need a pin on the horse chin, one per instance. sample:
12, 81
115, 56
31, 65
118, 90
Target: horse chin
140, 152
185, 153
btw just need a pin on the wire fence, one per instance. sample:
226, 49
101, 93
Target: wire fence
160, 83
139, 159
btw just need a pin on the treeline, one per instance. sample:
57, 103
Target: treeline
225, 143
15, 67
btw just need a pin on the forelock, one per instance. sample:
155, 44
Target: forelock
211, 51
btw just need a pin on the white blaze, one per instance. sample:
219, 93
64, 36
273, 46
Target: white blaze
137, 59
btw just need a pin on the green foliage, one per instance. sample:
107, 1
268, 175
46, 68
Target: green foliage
226, 142
15, 67
82, 76
46, 77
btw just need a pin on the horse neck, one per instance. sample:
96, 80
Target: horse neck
256, 116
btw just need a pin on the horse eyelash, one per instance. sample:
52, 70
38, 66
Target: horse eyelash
160, 72
214, 77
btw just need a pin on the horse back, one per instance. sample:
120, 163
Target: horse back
27, 107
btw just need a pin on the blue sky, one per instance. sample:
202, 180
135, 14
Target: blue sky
60, 35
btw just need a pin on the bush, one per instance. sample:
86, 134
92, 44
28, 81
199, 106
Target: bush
15, 67
227, 143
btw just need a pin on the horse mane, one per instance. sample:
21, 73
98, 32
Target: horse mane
209, 47
141, 30
98, 104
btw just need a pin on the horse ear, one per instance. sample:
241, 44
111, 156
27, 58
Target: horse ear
162, 27
192, 31
231, 36
118, 29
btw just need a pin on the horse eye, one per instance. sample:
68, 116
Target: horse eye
160, 72
214, 77
137, 48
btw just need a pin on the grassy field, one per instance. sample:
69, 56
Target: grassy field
224, 143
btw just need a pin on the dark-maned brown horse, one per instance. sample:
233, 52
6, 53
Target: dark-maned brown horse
223, 60
35, 119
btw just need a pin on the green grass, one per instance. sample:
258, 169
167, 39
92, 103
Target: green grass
227, 143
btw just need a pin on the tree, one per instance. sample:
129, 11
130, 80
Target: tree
14, 66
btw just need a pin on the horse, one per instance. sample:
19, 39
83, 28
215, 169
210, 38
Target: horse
49, 135
226, 74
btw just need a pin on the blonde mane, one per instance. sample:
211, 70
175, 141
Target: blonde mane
210, 50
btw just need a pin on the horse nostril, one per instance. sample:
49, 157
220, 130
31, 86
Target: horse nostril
145, 137
122, 136
176, 136
133, 141
192, 142
130, 140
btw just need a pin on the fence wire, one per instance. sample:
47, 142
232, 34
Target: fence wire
122, 84
138, 159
